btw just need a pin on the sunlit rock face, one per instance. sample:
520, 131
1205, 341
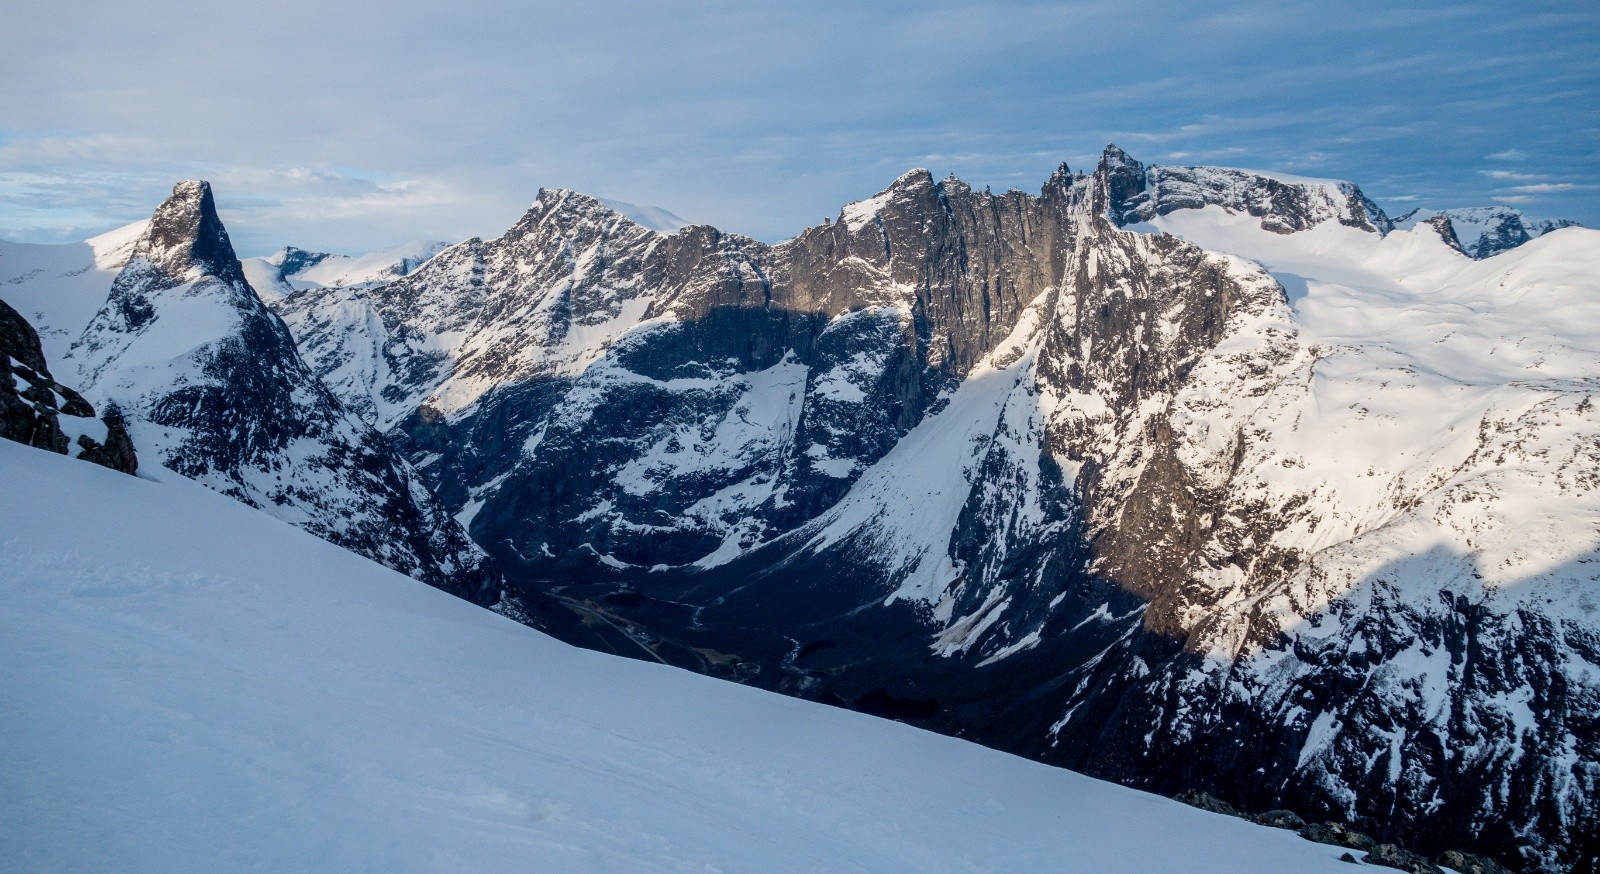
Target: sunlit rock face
1189, 477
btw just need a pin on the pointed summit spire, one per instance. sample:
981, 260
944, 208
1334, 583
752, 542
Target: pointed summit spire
1114, 158
1122, 179
186, 234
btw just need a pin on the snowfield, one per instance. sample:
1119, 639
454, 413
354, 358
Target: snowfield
191, 685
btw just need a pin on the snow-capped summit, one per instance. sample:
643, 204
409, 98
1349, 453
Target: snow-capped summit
1284, 203
213, 388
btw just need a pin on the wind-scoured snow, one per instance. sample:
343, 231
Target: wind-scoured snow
257, 699
653, 217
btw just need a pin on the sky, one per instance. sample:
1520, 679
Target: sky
356, 125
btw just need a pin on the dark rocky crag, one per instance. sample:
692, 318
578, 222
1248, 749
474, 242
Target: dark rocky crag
742, 457
32, 403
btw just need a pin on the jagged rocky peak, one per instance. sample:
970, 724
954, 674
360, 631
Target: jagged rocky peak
912, 185
183, 263
186, 236
1137, 192
215, 389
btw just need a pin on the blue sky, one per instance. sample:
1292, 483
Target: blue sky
355, 125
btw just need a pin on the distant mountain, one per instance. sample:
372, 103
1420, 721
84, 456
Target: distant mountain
1486, 230
289, 269
1188, 477
1193, 478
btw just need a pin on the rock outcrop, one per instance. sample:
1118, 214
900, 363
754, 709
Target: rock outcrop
33, 404
1482, 232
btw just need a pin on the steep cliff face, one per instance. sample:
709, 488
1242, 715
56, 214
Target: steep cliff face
214, 389
1189, 477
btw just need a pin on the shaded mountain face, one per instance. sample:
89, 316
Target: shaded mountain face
1163, 474
38, 411
215, 390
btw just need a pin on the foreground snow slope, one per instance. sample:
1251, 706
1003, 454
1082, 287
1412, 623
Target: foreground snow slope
190, 684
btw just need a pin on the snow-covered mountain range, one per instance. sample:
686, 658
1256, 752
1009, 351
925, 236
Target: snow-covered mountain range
1188, 477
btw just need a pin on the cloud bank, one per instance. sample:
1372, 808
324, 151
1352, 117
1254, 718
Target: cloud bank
351, 126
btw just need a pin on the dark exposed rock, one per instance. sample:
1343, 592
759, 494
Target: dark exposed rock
1346, 857
1466, 863
117, 452
1281, 819
1391, 856
1446, 231
33, 415
1207, 801
1337, 834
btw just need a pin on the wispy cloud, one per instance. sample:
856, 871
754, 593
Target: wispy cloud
357, 125
1508, 174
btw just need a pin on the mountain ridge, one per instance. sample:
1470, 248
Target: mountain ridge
1092, 501
1191, 478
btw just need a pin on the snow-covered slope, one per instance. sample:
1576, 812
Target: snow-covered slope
257, 699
